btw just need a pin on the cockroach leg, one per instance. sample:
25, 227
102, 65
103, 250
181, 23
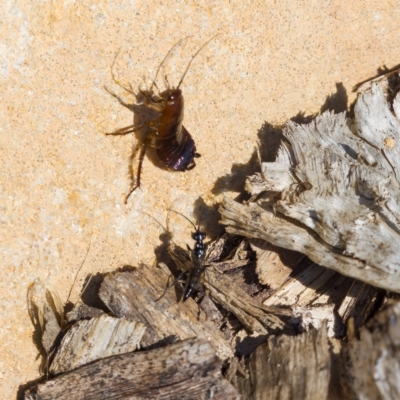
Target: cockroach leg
126, 130
147, 142
137, 185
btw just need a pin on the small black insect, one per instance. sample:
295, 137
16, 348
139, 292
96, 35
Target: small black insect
197, 255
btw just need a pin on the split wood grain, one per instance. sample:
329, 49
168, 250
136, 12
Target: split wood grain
255, 316
289, 367
135, 295
374, 359
187, 370
333, 192
94, 339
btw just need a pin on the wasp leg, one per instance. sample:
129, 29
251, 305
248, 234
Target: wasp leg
173, 284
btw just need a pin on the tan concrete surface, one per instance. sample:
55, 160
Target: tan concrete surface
63, 182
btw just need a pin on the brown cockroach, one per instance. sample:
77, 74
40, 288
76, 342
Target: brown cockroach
174, 145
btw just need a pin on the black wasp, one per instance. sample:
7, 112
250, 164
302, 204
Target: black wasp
193, 282
197, 256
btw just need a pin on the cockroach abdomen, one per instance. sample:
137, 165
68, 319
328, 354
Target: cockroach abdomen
178, 156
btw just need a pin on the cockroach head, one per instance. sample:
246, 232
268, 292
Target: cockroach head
173, 94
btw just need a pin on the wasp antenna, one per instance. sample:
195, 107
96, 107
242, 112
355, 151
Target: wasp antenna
154, 219
197, 52
165, 58
167, 231
184, 216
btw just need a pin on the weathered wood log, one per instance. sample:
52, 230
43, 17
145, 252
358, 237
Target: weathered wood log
333, 193
289, 367
373, 370
94, 339
252, 314
270, 263
314, 292
185, 370
83, 311
135, 295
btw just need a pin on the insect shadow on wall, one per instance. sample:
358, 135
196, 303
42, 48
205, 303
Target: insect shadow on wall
174, 145
198, 267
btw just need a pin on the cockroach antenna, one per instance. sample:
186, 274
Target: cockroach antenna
165, 58
195, 55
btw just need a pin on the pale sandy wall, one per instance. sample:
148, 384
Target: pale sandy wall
63, 181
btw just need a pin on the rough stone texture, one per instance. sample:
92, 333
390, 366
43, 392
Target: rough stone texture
63, 182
